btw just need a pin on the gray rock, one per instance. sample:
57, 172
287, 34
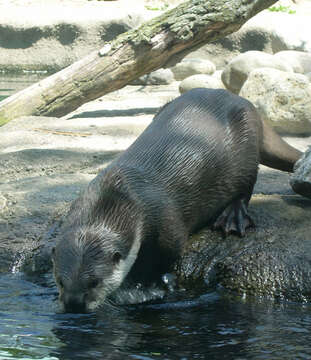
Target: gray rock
273, 260
301, 178
237, 71
299, 61
283, 99
189, 67
200, 80
158, 77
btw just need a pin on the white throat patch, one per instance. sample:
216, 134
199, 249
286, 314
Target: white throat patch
122, 269
124, 266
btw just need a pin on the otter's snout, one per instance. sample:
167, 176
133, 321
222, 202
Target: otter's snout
75, 307
74, 304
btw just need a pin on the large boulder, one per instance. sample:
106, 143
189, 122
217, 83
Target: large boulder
287, 31
300, 61
283, 99
272, 260
237, 71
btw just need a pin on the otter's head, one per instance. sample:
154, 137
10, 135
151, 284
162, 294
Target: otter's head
89, 264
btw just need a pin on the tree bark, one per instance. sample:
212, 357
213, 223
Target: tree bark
130, 55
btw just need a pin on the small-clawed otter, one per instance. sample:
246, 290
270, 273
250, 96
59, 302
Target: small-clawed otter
195, 164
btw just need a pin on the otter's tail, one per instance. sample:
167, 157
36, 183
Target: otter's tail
275, 152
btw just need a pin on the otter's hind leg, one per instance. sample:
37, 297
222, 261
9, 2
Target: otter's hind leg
235, 218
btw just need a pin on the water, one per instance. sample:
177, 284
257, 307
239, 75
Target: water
185, 326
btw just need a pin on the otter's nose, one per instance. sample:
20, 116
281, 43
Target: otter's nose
75, 307
74, 303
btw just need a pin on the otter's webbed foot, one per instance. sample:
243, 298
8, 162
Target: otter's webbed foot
234, 219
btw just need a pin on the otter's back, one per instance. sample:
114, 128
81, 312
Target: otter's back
201, 149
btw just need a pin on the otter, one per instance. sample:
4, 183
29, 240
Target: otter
195, 165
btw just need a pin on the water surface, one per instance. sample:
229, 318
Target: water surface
186, 326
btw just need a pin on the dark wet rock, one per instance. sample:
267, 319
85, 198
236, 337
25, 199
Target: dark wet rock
272, 260
301, 179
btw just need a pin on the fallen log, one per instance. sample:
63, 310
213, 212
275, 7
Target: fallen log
132, 54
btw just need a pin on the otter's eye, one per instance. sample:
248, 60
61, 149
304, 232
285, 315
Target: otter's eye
53, 253
116, 257
92, 284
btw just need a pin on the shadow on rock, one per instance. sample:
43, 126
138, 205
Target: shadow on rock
116, 112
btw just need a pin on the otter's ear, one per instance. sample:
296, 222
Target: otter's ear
116, 257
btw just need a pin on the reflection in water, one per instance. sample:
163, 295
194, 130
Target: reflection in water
92, 337
183, 326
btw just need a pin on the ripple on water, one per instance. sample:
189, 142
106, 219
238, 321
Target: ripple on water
26, 311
